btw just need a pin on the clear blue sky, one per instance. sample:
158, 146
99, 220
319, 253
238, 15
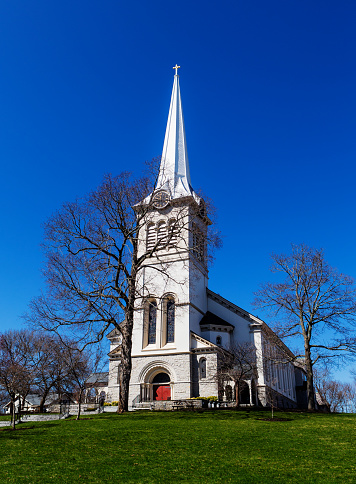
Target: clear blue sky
268, 92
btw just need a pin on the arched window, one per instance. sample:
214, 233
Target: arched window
198, 243
162, 234
151, 237
202, 208
228, 392
202, 368
152, 317
168, 320
218, 340
149, 322
172, 233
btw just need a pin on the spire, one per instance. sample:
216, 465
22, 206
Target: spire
174, 176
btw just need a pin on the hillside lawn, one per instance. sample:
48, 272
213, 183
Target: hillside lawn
197, 447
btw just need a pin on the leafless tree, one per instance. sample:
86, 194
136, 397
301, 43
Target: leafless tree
15, 370
237, 365
335, 395
350, 400
93, 264
317, 303
48, 363
79, 364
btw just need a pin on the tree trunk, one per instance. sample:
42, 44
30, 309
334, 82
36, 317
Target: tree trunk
43, 399
126, 364
13, 415
237, 394
126, 346
79, 404
310, 382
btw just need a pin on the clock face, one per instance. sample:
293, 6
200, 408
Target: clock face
160, 199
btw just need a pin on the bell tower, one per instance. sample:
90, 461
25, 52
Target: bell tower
174, 276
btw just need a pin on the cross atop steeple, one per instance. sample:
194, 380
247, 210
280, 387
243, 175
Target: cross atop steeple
176, 67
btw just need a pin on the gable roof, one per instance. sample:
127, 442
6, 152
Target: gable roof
255, 322
210, 318
232, 307
97, 378
114, 334
116, 352
34, 399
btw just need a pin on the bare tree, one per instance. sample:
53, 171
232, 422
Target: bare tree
80, 364
237, 365
15, 370
94, 255
48, 363
336, 396
317, 303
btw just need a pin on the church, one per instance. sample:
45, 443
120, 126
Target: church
182, 329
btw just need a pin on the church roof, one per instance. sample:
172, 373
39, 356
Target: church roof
255, 322
201, 343
116, 352
211, 319
97, 378
174, 175
232, 307
114, 334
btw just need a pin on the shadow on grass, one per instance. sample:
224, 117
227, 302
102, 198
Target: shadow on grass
18, 428
275, 419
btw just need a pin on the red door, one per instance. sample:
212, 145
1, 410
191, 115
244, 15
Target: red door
162, 392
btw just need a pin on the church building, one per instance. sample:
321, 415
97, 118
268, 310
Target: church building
182, 329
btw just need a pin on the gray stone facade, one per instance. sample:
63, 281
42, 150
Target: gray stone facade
144, 369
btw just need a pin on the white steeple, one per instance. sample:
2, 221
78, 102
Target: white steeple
174, 176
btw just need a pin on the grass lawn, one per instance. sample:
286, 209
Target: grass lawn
212, 446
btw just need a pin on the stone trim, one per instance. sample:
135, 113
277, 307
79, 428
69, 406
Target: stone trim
162, 354
229, 305
203, 340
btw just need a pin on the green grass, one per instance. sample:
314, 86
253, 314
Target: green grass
148, 447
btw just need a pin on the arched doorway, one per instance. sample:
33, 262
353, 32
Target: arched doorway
244, 393
161, 387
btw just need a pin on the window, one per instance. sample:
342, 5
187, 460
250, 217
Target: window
202, 367
152, 316
172, 233
168, 319
162, 234
228, 393
202, 208
151, 237
149, 322
198, 243
170, 308
218, 340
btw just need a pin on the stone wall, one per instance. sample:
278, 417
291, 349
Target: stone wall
206, 386
113, 386
177, 366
